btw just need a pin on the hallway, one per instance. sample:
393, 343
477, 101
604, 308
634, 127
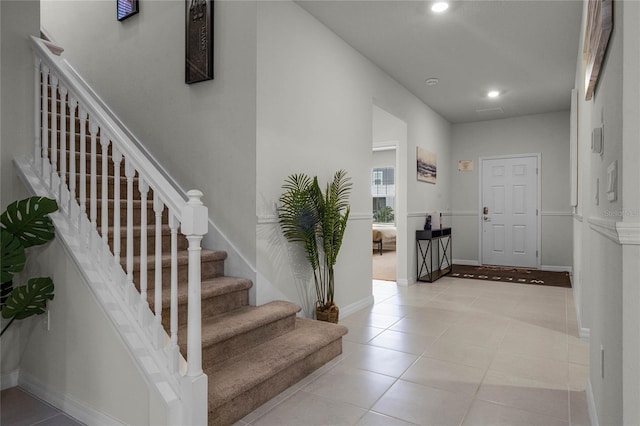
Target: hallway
449, 353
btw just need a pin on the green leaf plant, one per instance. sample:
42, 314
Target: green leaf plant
24, 224
317, 220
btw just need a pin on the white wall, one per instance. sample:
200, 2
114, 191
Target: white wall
18, 20
605, 297
203, 134
81, 361
547, 134
315, 96
382, 159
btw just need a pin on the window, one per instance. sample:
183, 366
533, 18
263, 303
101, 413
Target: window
383, 191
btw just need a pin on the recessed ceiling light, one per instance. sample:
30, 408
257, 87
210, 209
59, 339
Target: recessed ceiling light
431, 81
493, 94
439, 7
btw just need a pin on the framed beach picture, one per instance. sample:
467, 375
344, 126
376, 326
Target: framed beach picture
127, 8
199, 41
426, 165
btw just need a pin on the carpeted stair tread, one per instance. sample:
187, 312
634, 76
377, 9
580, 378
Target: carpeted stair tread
222, 327
182, 258
241, 373
137, 230
211, 287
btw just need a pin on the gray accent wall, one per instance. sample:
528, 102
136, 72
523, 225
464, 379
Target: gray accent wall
547, 134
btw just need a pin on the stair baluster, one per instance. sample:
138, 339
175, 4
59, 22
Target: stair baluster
73, 103
93, 195
62, 188
116, 157
37, 157
144, 303
54, 132
82, 117
129, 172
173, 312
45, 121
104, 209
158, 208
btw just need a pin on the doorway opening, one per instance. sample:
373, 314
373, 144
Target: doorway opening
384, 231
389, 196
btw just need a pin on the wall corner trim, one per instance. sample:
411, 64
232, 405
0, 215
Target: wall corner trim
628, 233
605, 227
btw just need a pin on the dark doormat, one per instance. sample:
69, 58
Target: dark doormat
512, 275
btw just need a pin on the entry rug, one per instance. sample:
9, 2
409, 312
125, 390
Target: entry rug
512, 275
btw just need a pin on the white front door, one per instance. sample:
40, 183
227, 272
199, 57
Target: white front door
509, 216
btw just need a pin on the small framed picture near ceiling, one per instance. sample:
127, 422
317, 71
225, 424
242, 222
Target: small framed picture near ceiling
426, 165
126, 9
596, 39
199, 41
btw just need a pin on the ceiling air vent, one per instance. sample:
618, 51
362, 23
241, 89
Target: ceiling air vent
485, 112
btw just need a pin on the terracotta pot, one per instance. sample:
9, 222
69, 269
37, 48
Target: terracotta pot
329, 314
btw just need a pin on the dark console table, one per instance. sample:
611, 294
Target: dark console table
434, 252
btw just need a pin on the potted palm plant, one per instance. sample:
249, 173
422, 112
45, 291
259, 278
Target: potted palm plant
317, 220
24, 224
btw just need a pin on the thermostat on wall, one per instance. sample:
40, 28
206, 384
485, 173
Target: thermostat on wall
596, 140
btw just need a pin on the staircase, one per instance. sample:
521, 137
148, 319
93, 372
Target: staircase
249, 353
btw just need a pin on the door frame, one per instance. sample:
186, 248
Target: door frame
538, 202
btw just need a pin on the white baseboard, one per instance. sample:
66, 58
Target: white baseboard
405, 282
583, 332
553, 268
591, 404
9, 380
355, 307
466, 262
65, 403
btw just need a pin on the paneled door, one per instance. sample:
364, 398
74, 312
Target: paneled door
509, 211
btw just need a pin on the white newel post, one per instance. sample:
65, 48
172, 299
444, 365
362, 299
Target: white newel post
194, 226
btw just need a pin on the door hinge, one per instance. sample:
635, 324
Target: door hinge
536, 253
536, 170
536, 212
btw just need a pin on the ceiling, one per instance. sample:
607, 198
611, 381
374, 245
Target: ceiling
525, 49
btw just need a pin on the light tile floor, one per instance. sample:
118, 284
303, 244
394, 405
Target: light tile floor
19, 408
454, 352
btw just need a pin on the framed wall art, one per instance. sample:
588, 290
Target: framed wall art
426, 165
199, 40
596, 39
126, 9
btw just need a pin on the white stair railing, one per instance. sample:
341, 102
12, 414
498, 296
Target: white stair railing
89, 136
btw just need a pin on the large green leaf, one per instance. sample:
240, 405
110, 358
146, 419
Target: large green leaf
13, 255
28, 220
30, 299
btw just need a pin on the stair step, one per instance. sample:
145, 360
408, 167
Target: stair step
212, 266
219, 295
110, 187
137, 217
243, 383
151, 239
233, 333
